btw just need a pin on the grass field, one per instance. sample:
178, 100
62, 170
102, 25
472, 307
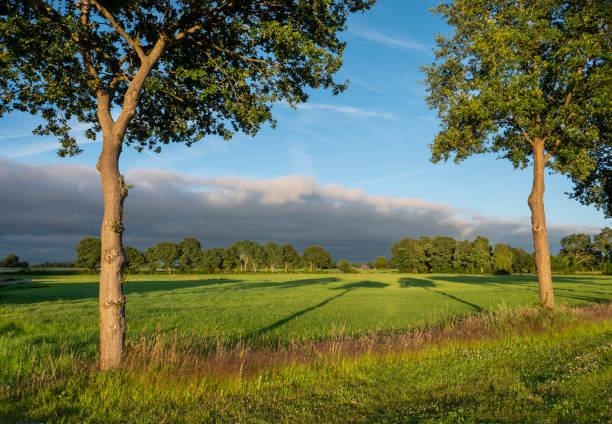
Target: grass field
306, 347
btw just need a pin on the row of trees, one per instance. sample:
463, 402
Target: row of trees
188, 256
579, 252
444, 254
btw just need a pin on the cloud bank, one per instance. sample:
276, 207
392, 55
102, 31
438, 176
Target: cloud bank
47, 209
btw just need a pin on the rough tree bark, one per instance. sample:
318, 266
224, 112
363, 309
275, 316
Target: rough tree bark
111, 300
538, 225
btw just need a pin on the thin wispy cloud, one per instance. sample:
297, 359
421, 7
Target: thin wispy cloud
348, 110
28, 144
365, 85
398, 43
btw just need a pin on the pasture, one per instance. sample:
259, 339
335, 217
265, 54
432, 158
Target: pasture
357, 347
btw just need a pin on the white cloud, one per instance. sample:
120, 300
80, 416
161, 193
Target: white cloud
166, 205
398, 43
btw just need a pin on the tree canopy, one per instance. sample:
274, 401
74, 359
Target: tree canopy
531, 81
516, 72
214, 67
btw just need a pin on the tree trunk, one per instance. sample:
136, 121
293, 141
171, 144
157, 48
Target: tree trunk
538, 226
112, 300
286, 266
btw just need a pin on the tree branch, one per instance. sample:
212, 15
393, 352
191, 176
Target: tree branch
135, 44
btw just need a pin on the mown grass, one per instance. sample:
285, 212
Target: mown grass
300, 348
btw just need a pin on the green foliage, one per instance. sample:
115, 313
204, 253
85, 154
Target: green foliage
273, 255
190, 253
578, 250
316, 257
249, 254
522, 261
408, 255
134, 259
290, 257
217, 260
164, 254
12, 261
561, 264
222, 66
381, 263
344, 266
440, 254
502, 259
88, 252
512, 75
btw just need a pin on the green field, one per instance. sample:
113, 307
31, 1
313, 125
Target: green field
48, 327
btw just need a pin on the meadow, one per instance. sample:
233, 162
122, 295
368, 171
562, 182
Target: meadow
367, 347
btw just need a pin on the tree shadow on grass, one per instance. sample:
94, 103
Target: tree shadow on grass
465, 302
582, 297
286, 284
406, 282
52, 291
258, 333
493, 280
346, 288
365, 284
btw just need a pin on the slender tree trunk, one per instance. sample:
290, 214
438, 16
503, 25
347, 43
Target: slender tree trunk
286, 266
538, 226
112, 300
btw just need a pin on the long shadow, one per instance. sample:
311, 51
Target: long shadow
406, 282
365, 284
585, 298
494, 280
583, 289
285, 284
465, 302
51, 291
281, 322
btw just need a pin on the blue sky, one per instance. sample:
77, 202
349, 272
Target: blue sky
374, 136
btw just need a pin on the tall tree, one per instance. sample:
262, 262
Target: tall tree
480, 255
522, 261
291, 257
273, 255
408, 255
316, 257
381, 262
440, 254
147, 73
502, 259
578, 249
247, 252
134, 259
165, 254
88, 253
531, 80
190, 253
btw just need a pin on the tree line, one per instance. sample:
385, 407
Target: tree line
579, 252
188, 256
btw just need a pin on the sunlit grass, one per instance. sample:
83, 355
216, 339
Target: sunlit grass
299, 347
